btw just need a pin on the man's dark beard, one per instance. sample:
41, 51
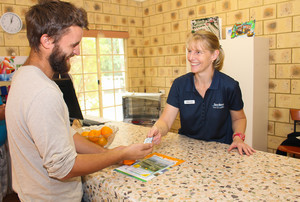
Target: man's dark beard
58, 61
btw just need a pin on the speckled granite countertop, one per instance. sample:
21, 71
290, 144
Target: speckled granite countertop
208, 173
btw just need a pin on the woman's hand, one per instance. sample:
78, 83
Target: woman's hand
241, 146
154, 132
163, 124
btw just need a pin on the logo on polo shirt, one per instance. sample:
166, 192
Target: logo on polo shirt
218, 106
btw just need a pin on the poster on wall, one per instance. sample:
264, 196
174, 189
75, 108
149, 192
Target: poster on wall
8, 65
245, 29
213, 24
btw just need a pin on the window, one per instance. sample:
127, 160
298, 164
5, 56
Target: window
99, 75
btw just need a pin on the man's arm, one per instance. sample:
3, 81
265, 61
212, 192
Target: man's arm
89, 163
84, 146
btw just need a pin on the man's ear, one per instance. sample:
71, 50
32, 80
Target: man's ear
46, 41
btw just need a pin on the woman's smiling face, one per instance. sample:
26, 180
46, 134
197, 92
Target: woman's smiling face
200, 58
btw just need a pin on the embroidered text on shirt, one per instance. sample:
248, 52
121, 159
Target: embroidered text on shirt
218, 106
189, 102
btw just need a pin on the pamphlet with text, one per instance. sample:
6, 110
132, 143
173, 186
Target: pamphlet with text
150, 167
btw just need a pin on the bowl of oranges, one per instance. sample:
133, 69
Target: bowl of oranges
101, 135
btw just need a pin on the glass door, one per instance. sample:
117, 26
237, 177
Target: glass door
99, 76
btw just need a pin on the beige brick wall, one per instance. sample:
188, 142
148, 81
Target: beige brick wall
156, 47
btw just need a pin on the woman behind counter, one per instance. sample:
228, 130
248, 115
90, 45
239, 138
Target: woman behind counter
210, 102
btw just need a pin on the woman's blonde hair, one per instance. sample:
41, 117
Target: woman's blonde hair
210, 42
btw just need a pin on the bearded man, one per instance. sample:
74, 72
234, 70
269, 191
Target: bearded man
48, 156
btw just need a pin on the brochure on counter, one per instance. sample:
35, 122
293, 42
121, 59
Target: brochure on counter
151, 166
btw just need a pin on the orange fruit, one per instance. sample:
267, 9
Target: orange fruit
85, 133
102, 141
106, 131
94, 135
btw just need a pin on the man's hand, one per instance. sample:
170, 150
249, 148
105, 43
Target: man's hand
136, 151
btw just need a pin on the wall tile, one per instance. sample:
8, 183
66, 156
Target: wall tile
169, 81
272, 72
157, 40
172, 60
151, 71
274, 141
238, 16
280, 115
178, 4
171, 38
19, 39
295, 86
288, 8
179, 26
149, 10
271, 127
283, 129
156, 19
157, 61
8, 1
288, 101
135, 62
150, 31
163, 28
272, 99
206, 9
111, 8
288, 40
296, 23
278, 26
263, 13
11, 51
91, 6
279, 86
165, 72
280, 56
226, 6
135, 21
249, 3
296, 55
148, 62
288, 71
24, 51
158, 82
170, 16
272, 1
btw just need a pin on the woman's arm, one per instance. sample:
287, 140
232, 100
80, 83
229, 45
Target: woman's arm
239, 123
163, 124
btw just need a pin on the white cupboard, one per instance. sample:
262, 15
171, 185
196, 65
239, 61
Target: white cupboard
247, 61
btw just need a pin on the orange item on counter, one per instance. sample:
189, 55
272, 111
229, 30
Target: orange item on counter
128, 162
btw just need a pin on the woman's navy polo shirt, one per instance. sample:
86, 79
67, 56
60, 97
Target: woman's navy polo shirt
206, 118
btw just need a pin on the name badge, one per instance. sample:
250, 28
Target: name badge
189, 102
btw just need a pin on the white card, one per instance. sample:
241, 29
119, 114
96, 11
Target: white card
148, 140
